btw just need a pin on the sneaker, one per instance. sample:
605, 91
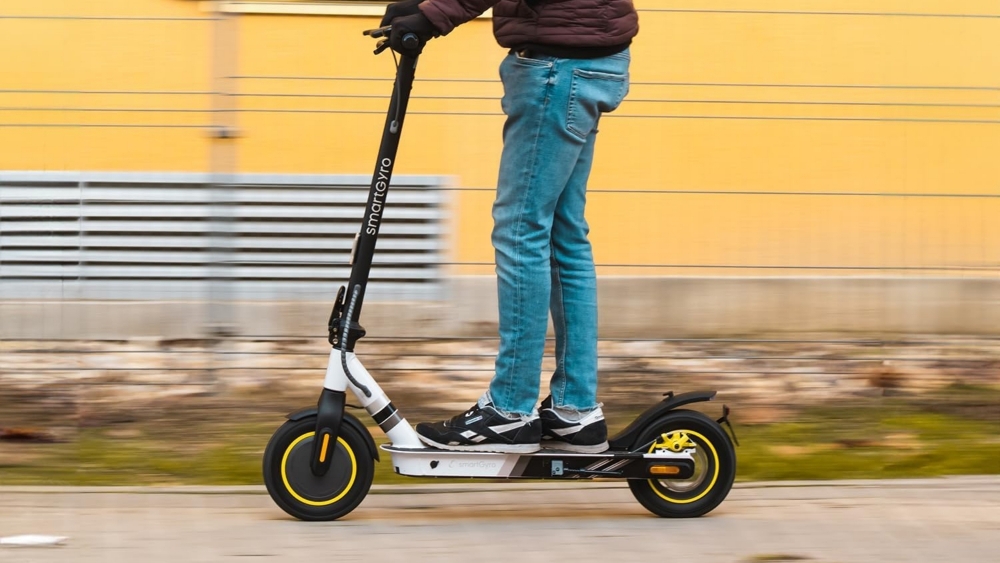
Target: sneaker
584, 433
484, 429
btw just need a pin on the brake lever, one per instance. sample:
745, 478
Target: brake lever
377, 33
382, 46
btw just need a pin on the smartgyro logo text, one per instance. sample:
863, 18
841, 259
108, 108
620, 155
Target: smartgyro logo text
455, 464
378, 202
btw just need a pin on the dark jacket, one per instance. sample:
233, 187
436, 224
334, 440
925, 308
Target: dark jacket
560, 23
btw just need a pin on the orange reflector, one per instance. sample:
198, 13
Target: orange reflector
664, 470
322, 452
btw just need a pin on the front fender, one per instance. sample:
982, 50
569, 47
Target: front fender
349, 419
625, 440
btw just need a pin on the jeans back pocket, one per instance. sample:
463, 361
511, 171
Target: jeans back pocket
591, 94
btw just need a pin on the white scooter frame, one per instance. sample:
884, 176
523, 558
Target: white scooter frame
412, 458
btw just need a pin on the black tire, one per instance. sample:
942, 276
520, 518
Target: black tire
292, 485
715, 468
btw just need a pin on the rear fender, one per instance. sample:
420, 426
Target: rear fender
625, 440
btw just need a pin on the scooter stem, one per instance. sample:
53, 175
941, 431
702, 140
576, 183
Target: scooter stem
364, 245
345, 332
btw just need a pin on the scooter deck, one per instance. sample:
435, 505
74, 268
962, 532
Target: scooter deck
543, 464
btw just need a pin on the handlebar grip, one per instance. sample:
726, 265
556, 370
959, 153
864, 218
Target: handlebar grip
411, 41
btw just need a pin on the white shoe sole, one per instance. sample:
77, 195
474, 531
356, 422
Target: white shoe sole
566, 447
485, 448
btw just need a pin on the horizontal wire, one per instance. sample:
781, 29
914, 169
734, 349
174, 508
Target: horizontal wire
754, 193
460, 338
675, 340
109, 18
104, 125
498, 114
143, 383
359, 96
480, 80
354, 78
648, 83
807, 118
495, 98
648, 10
769, 267
423, 265
640, 100
388, 369
449, 356
818, 86
111, 110
112, 201
646, 116
818, 13
111, 92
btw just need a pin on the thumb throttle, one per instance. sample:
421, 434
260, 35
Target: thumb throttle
411, 41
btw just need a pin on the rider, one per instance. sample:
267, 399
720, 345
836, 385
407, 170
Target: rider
568, 64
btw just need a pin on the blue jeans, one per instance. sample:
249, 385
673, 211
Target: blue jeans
544, 261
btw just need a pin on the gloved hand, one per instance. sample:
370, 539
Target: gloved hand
417, 24
400, 9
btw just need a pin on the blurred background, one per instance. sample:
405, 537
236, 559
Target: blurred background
798, 204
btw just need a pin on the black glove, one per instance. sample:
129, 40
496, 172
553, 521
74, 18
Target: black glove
417, 24
400, 9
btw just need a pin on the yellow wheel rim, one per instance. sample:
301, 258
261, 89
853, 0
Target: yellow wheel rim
298, 497
715, 474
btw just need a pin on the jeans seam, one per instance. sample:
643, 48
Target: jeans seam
570, 116
560, 362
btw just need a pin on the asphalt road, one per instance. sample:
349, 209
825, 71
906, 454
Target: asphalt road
952, 520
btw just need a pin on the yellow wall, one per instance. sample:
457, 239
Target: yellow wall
60, 55
690, 123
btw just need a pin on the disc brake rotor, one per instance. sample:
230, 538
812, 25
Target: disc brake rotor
678, 441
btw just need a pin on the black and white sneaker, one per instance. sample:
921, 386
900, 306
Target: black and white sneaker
484, 429
585, 433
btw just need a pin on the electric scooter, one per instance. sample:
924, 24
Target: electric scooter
319, 465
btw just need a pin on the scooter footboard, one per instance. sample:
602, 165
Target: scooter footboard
545, 464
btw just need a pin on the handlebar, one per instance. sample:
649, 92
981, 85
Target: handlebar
410, 40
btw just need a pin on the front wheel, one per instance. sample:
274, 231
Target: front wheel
293, 486
714, 471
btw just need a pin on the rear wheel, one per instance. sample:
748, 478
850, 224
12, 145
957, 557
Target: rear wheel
290, 481
714, 471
